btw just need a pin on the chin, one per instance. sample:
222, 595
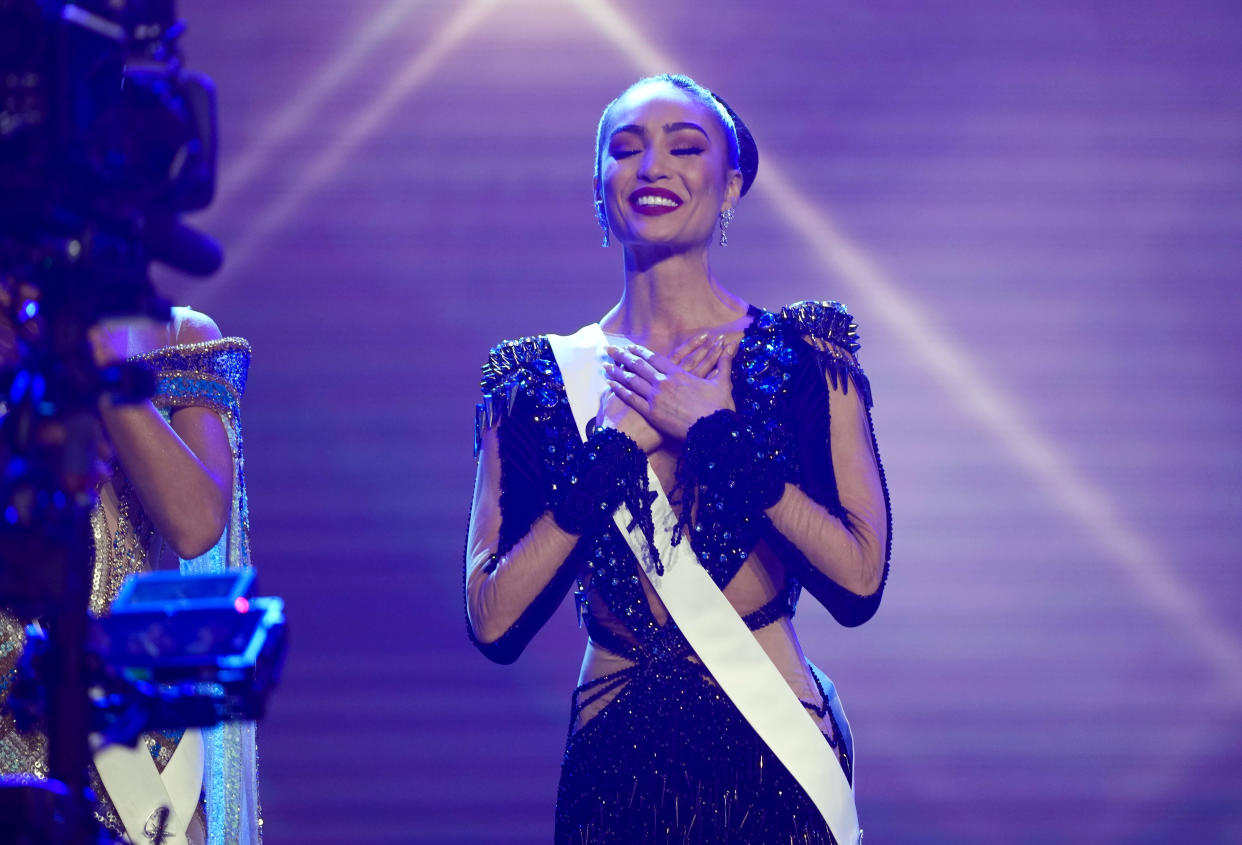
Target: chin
676, 242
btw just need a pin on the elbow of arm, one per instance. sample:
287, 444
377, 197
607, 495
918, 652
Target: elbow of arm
193, 523
861, 572
196, 532
481, 632
870, 557
853, 604
196, 540
495, 644
872, 570
867, 593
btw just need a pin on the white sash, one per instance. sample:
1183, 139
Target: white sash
709, 622
139, 791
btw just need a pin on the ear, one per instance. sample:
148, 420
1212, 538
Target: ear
733, 189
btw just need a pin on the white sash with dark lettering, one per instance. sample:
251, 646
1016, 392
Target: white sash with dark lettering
710, 623
154, 806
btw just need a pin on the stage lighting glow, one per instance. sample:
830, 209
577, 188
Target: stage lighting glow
304, 107
961, 378
324, 166
626, 36
953, 369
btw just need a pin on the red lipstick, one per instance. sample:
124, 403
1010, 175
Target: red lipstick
654, 201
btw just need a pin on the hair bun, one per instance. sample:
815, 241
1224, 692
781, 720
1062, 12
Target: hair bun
747, 151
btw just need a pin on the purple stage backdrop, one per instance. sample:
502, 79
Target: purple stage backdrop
1034, 211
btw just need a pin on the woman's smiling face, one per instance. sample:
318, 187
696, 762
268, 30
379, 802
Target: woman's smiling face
664, 169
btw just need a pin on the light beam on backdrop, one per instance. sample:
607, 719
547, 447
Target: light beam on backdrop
291, 120
960, 377
348, 137
952, 368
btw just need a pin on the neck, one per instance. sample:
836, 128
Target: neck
669, 297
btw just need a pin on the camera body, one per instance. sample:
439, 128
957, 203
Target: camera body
105, 139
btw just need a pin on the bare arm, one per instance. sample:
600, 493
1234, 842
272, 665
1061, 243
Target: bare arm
510, 596
183, 471
500, 590
852, 551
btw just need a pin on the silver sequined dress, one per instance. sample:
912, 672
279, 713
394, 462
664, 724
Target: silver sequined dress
210, 374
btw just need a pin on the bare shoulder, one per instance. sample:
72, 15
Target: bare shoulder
190, 326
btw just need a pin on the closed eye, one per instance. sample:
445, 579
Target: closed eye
687, 151
620, 154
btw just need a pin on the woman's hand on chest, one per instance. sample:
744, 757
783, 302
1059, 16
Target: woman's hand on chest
673, 392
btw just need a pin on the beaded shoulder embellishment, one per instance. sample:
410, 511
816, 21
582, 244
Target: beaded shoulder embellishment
829, 329
827, 320
211, 373
524, 367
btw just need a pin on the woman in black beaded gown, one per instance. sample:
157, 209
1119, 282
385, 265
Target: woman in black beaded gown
758, 423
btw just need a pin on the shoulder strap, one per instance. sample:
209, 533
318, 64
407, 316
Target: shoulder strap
710, 623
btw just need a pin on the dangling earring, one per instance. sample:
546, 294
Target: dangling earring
602, 220
726, 217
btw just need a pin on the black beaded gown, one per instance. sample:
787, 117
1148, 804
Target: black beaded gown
656, 752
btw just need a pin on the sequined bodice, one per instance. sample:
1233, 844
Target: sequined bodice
525, 384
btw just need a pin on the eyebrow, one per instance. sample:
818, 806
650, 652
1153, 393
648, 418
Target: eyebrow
668, 127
